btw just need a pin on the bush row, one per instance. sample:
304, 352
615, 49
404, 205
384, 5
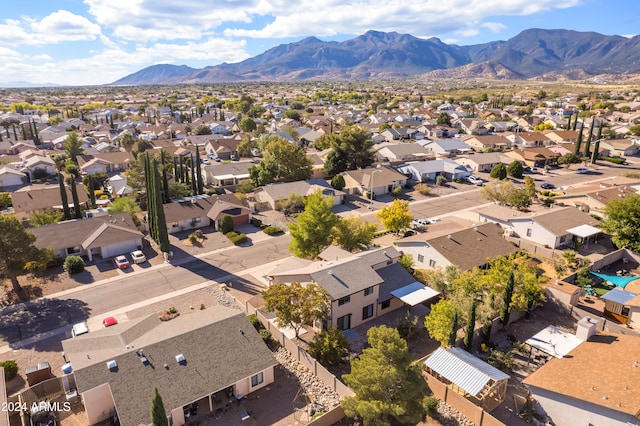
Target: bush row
236, 238
272, 230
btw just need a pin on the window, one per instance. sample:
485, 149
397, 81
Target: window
368, 291
529, 230
385, 304
257, 380
563, 238
420, 258
344, 322
344, 300
367, 311
432, 263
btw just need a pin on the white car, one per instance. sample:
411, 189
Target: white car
582, 170
79, 329
419, 223
475, 180
138, 256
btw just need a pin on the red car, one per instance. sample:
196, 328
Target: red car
121, 262
109, 321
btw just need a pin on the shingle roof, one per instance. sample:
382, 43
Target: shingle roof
217, 355
602, 371
558, 221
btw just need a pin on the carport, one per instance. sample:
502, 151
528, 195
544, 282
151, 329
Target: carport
584, 232
415, 293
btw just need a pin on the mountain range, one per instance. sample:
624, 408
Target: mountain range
534, 53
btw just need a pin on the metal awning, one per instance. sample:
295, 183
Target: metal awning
554, 341
415, 293
584, 231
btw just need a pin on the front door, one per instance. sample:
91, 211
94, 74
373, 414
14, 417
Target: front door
344, 322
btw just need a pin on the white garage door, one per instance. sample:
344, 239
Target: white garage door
120, 248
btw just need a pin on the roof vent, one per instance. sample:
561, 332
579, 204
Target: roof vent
144, 360
449, 237
112, 365
180, 359
635, 364
605, 397
330, 271
166, 366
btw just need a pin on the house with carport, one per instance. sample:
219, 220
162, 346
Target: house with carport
487, 142
11, 178
200, 211
483, 162
273, 195
380, 180
202, 360
446, 147
425, 171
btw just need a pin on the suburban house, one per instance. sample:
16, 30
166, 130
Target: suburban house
400, 134
593, 385
424, 171
380, 180
398, 153
467, 249
117, 186
198, 212
271, 196
487, 142
446, 147
467, 375
203, 359
534, 156
108, 162
96, 238
483, 162
38, 165
31, 198
556, 227
618, 147
227, 175
10, 177
595, 197
561, 136
529, 139
361, 286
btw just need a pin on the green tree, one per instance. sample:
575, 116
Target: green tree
569, 158
127, 140
439, 322
312, 231
406, 261
158, 413
499, 171
202, 129
226, 224
351, 149
471, 325
444, 118
63, 197
576, 148
198, 174
515, 169
396, 216
329, 347
453, 333
338, 182
353, 233
73, 147
16, 250
91, 191
386, 383
296, 305
530, 187
293, 204
246, 146
520, 199
282, 162
44, 217
623, 221
506, 299
124, 204
247, 124
292, 114
498, 191
77, 209
5, 200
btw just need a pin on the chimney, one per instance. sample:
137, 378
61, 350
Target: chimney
586, 328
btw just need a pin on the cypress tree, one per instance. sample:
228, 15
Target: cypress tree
454, 329
161, 221
63, 197
165, 178
91, 191
194, 186
76, 201
508, 295
569, 121
589, 139
158, 412
576, 149
15, 134
151, 217
471, 325
200, 184
575, 123
596, 146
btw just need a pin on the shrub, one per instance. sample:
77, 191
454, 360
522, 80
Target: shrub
430, 405
614, 160
10, 369
73, 265
236, 238
265, 334
407, 325
172, 310
272, 230
256, 222
501, 360
397, 191
226, 224
193, 238
253, 319
423, 189
441, 180
329, 347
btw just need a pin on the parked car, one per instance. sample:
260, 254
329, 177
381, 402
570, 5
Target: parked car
121, 262
109, 321
419, 223
79, 329
547, 185
582, 170
475, 180
138, 256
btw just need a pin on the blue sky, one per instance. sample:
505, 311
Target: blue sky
90, 42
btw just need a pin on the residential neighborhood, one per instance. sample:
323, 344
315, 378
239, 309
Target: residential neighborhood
247, 255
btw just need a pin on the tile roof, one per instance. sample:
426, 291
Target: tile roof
603, 371
219, 344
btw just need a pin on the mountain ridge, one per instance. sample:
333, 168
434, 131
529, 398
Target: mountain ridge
533, 53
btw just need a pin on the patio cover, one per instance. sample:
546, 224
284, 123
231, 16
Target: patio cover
584, 231
618, 296
414, 293
554, 341
616, 279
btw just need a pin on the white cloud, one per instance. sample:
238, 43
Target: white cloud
55, 28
